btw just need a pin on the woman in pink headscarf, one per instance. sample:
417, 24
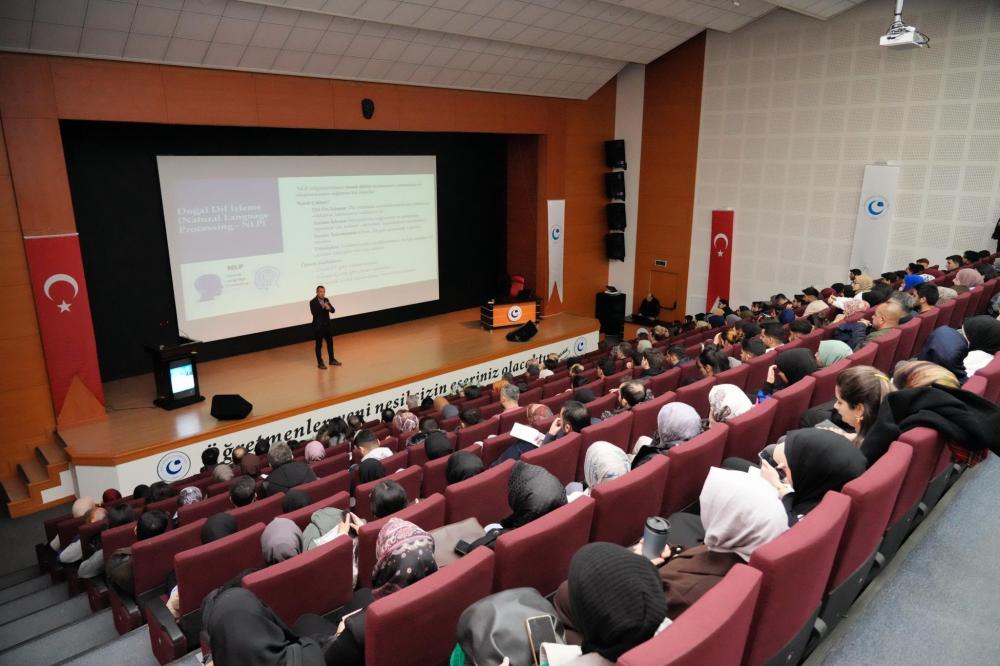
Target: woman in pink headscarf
966, 279
315, 451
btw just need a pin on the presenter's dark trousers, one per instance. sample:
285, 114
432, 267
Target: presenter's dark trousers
322, 334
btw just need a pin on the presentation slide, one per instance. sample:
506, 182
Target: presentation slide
250, 238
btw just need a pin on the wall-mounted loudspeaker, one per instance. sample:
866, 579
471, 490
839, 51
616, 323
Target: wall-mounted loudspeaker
614, 243
616, 216
367, 108
614, 185
614, 154
524, 333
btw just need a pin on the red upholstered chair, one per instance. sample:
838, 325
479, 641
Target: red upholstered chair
508, 419
696, 395
559, 457
199, 571
449, 425
537, 554
961, 307
712, 631
483, 497
555, 386
864, 356
736, 376
398, 460
690, 372
410, 478
493, 448
622, 505
427, 514
887, 345
477, 433
152, 561
556, 402
280, 585
328, 485
615, 430
261, 511
748, 432
811, 341
757, 372
977, 384
615, 380
796, 568
416, 625
489, 410
203, 509
826, 382
792, 401
991, 373
689, 464
928, 322
666, 381
872, 497
416, 454
644, 416
301, 517
169, 504
907, 336
330, 465
940, 477
945, 312
533, 394
603, 404
434, 473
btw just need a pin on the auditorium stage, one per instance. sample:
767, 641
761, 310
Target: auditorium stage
290, 395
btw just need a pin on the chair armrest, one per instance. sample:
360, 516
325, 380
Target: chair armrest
156, 611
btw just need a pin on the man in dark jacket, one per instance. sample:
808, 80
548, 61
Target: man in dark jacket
320, 308
286, 473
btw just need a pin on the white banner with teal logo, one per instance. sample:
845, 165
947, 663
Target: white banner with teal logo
557, 215
876, 208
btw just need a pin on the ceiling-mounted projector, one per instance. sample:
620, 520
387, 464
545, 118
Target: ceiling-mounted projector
900, 35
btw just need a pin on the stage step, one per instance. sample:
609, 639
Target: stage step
30, 603
30, 586
29, 627
69, 639
32, 472
14, 489
133, 649
51, 454
24, 488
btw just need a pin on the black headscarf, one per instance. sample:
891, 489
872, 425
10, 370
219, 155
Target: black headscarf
244, 631
370, 470
583, 395
532, 492
295, 499
796, 364
946, 347
218, 526
461, 466
616, 598
820, 460
437, 445
983, 333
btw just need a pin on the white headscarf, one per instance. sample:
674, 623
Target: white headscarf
740, 513
604, 461
726, 401
677, 422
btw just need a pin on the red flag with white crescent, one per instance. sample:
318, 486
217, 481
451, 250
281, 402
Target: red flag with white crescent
720, 257
63, 310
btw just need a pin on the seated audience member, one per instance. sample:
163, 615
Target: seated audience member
281, 540
814, 304
859, 393
428, 424
652, 363
450, 411
700, 323
726, 401
926, 295
946, 347
218, 526
412, 403
550, 363
118, 570
440, 402
603, 462
367, 447
436, 445
74, 551
887, 317
773, 335
927, 270
712, 361
370, 470
799, 329
110, 496
946, 294
405, 422
327, 524
532, 370
355, 422
578, 380
209, 459
387, 498
315, 451
790, 366
953, 263
614, 599
471, 391
141, 491
187, 496
243, 491
605, 367
241, 630
831, 351
983, 334
222, 473
630, 394
238, 453
161, 490
250, 465
676, 423
93, 566
573, 417
970, 258
862, 284
294, 500
917, 374
584, 395
462, 465
469, 417
677, 356
751, 348
643, 341
966, 279
532, 492
286, 473
387, 416
262, 447
537, 413
509, 395
907, 303
576, 369
717, 318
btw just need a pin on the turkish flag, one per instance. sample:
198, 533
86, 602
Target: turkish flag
720, 258
63, 310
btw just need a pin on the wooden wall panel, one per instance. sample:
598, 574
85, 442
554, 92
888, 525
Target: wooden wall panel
670, 122
522, 208
38, 167
209, 97
108, 90
286, 101
26, 87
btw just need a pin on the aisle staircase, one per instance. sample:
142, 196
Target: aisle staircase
48, 469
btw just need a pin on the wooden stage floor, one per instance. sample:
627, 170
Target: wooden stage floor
284, 381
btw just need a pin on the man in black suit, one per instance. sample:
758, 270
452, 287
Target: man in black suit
321, 310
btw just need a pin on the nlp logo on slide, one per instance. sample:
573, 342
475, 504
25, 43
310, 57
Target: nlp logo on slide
580, 345
514, 314
876, 207
175, 465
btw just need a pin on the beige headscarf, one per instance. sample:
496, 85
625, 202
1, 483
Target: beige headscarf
740, 513
82, 506
862, 283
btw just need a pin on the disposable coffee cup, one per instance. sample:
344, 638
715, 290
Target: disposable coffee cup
655, 537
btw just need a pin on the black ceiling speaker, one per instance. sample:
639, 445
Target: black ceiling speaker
367, 108
616, 216
614, 185
614, 154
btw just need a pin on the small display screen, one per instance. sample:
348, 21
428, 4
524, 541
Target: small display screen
182, 378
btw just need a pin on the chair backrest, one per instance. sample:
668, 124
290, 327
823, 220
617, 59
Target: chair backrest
977, 384
435, 480
792, 401
961, 306
89, 530
533, 394
301, 517
472, 434
622, 505
826, 381
328, 485
114, 538
260, 511
556, 402
169, 504
907, 336
736, 376
555, 386
508, 419
873, 495
887, 345
644, 416
559, 457
713, 630
928, 322
757, 371
427, 514
689, 465
280, 585
410, 478
864, 356
991, 373
945, 311
416, 625
203, 568
667, 380
203, 509
537, 554
616, 380
748, 432
811, 341
598, 406
153, 558
493, 447
796, 567
926, 447
69, 529
615, 430
331, 464
490, 409
400, 459
483, 497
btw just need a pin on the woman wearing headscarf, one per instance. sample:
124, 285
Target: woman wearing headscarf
405, 422
862, 283
436, 445
251, 465
831, 351
946, 347
676, 423
532, 492
189, 495
983, 334
726, 401
790, 366
110, 495
217, 526
315, 451
281, 540
966, 279
604, 462
222, 473
79, 509
462, 465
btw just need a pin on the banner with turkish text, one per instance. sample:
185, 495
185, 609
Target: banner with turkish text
63, 310
720, 258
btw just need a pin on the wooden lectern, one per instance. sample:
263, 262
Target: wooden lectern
175, 369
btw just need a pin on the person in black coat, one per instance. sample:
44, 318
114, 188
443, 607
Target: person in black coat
321, 309
286, 473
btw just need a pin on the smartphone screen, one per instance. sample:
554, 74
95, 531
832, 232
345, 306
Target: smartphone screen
541, 629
